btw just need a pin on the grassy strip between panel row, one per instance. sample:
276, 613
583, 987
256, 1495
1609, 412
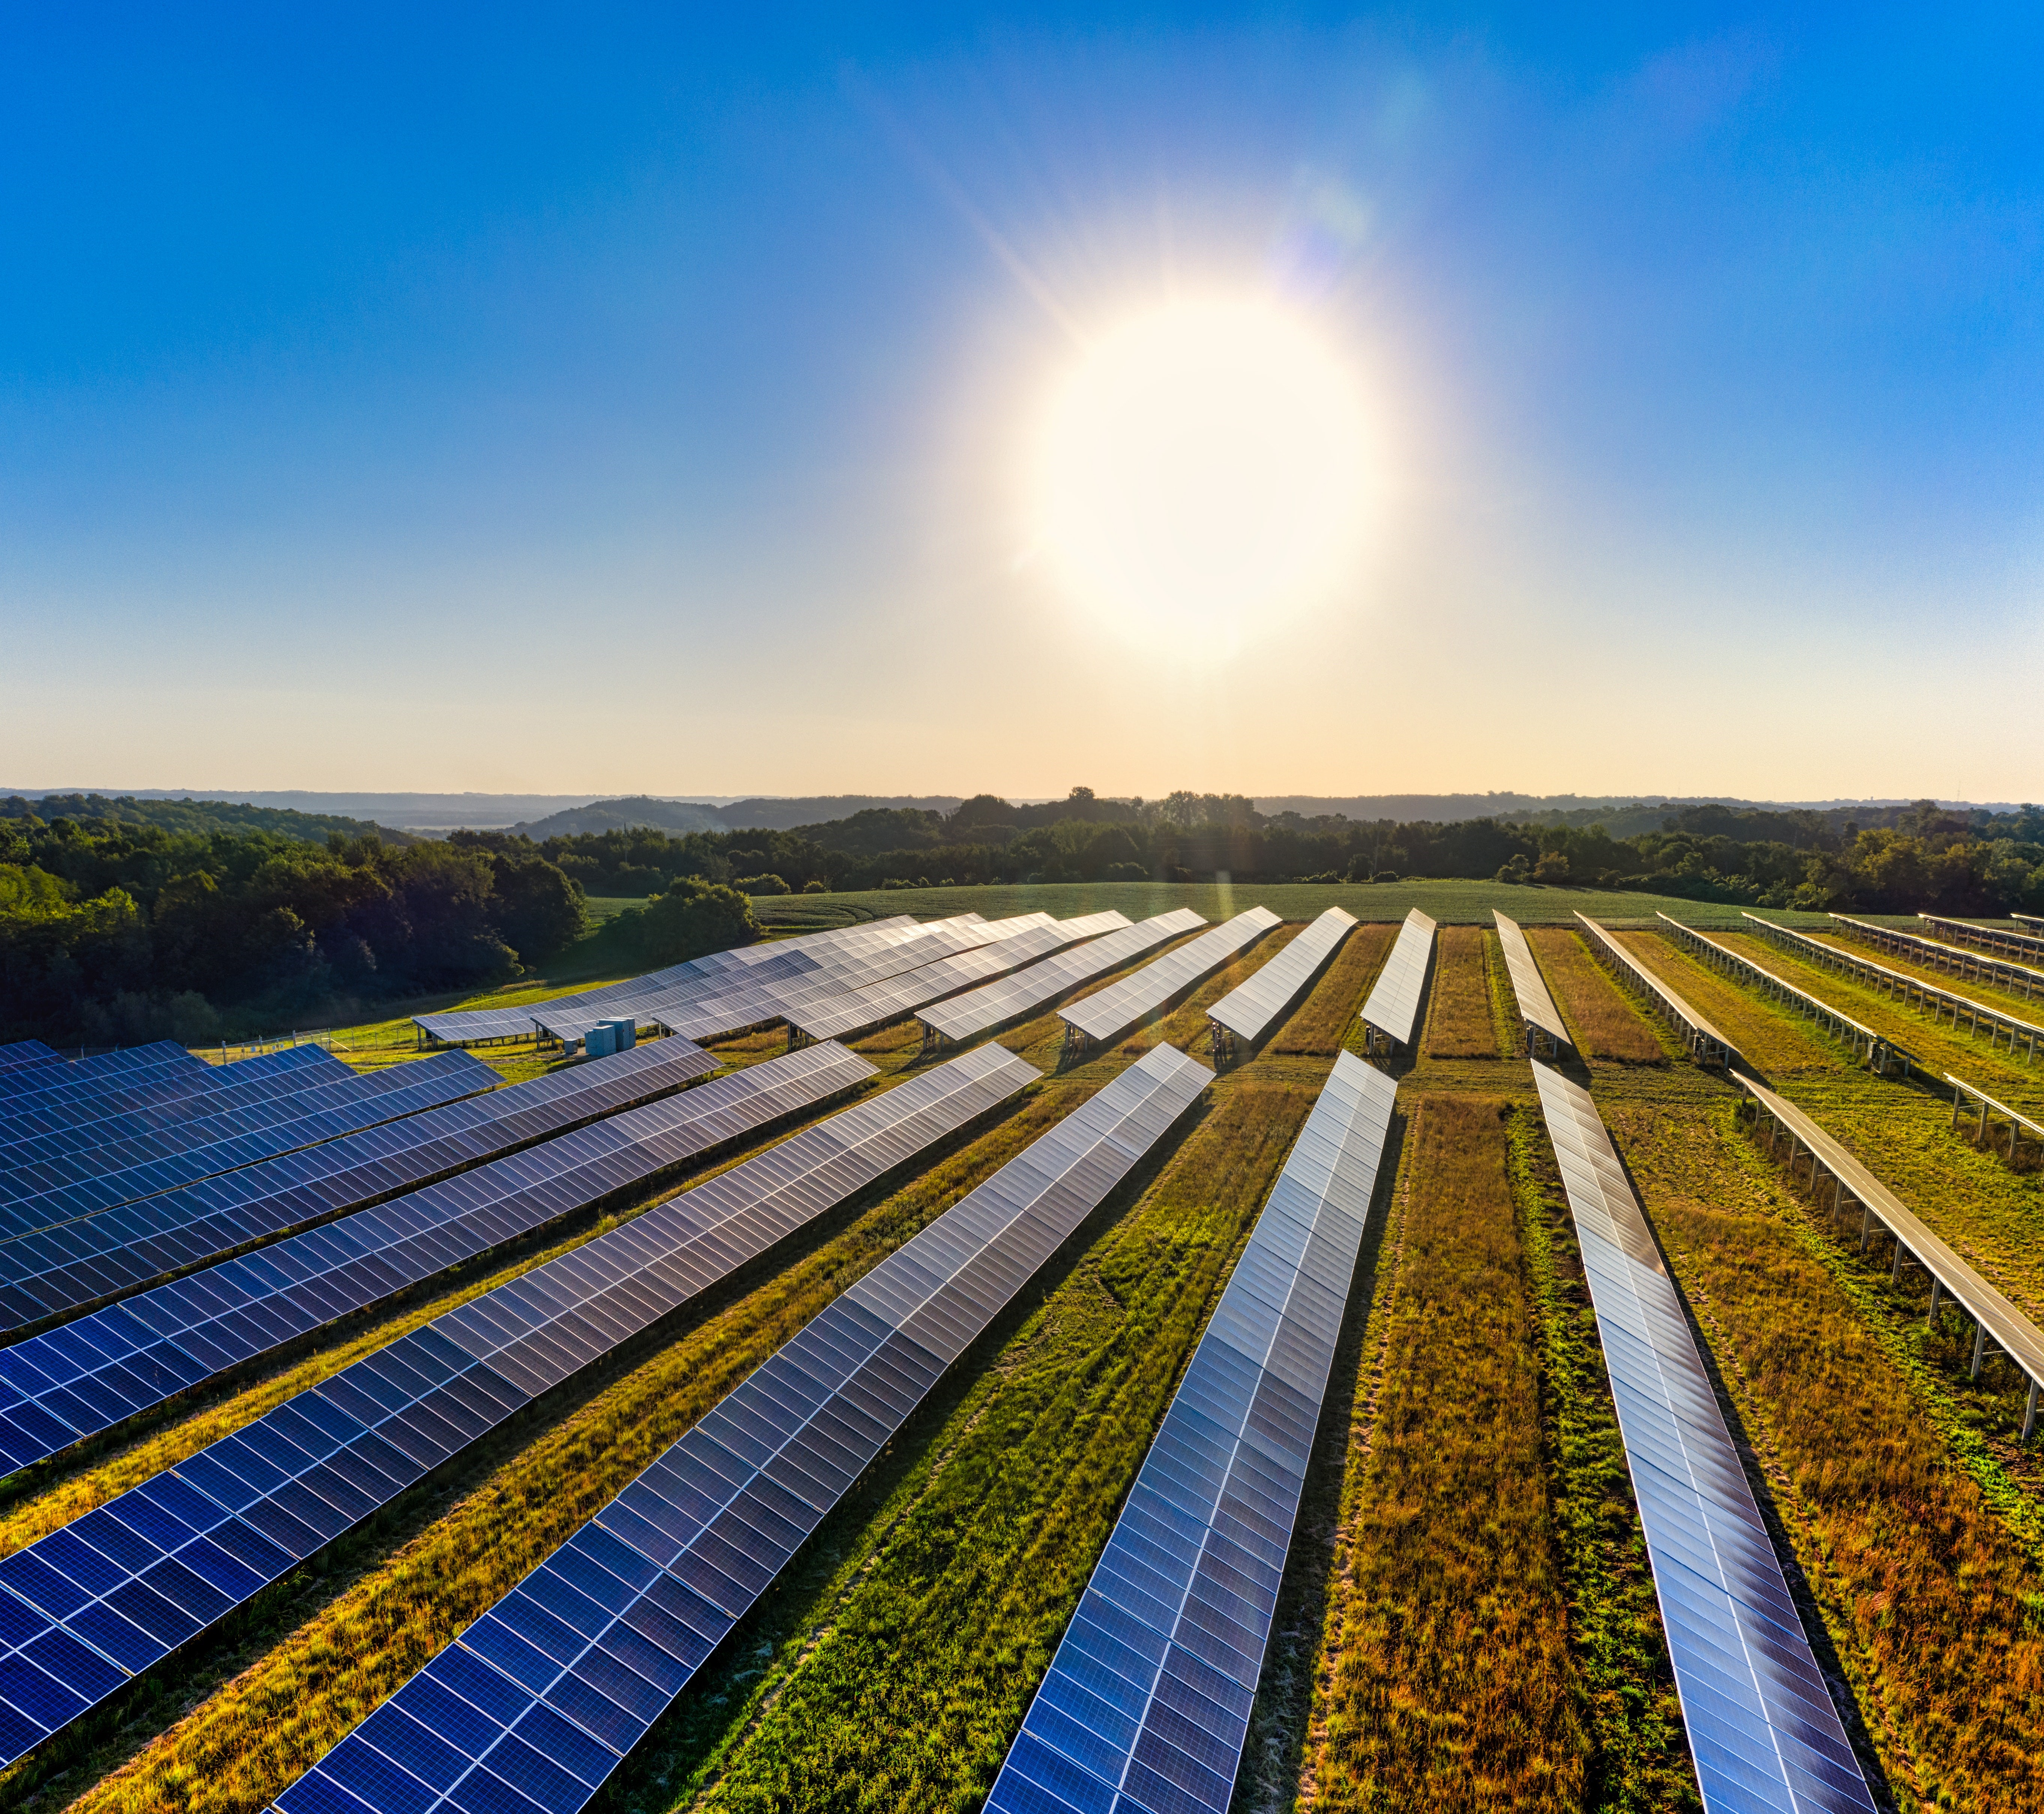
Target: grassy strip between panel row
1320, 1024
1928, 1601
1460, 1024
241, 1746
1603, 1021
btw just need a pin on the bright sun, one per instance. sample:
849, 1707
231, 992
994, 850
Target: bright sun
1201, 471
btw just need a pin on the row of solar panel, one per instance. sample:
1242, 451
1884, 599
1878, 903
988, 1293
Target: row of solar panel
373, 1096
87, 1608
842, 1015
1762, 1729
1007, 998
784, 955
139, 1074
1106, 1016
1391, 1012
1248, 1012
536, 1702
205, 1089
118, 1251
92, 1373
1710, 1046
1147, 1700
1529, 988
20, 1053
42, 1163
2005, 972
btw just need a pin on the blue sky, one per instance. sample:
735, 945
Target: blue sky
633, 401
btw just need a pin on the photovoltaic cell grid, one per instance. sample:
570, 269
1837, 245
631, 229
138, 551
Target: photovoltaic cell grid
839, 1017
1248, 1012
1104, 1017
1147, 1703
123, 1079
244, 1083
789, 954
1536, 1006
1706, 1044
378, 1096
91, 1605
539, 1700
1009, 997
46, 1164
135, 1354
22, 1052
1392, 1010
1762, 1730
102, 1256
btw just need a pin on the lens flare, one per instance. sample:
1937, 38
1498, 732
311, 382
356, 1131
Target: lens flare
1201, 473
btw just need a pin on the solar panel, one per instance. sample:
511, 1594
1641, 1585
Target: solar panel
1103, 1017
1762, 1730
1963, 960
124, 1079
839, 1017
1391, 1015
1009, 997
1706, 1044
1247, 1013
238, 1085
89, 1375
93, 1605
26, 1054
2021, 945
40, 1162
373, 1096
1147, 1703
1542, 1019
105, 1254
543, 1695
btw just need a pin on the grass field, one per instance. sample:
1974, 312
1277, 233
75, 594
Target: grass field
1600, 1018
1460, 1024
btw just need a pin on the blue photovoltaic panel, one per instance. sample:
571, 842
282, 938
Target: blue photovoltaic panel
1007, 998
1105, 1016
538, 1701
47, 1163
221, 1088
91, 1605
372, 1096
1536, 1006
91, 1374
1147, 1703
1392, 1009
103, 1255
136, 1074
1248, 1012
24, 1052
1762, 1730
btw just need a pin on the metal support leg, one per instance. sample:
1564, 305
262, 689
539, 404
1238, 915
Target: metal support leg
1937, 1292
1866, 1227
1894, 1271
2030, 1412
1979, 1348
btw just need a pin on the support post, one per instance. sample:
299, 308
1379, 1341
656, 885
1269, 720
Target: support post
1937, 1292
2030, 1412
1979, 1348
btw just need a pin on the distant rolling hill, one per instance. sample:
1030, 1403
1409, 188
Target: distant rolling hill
679, 815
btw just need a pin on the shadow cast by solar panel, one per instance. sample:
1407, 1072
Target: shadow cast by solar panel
241, 1637
1277, 1718
1819, 1635
689, 1731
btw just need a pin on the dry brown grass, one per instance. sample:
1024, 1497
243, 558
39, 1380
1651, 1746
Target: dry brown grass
1459, 1023
1929, 1599
1453, 1685
1606, 1025
1321, 1022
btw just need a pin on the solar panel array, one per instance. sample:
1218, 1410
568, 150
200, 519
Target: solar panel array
1248, 1012
1103, 1017
2013, 1332
21, 1053
103, 1255
91, 1374
2021, 1035
1536, 1007
45, 1163
780, 956
1392, 1013
537, 1702
1763, 1730
841, 1016
1958, 959
1880, 1051
91, 1605
82, 1128
2016, 944
368, 1098
1147, 1703
1706, 1044
1007, 998
99, 1085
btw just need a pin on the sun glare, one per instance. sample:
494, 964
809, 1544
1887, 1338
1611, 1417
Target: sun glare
1200, 473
